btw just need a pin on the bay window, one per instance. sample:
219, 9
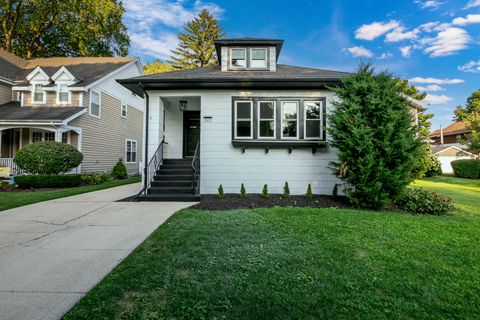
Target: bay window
266, 119
313, 120
243, 119
289, 119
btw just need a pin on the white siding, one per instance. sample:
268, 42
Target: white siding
173, 133
221, 163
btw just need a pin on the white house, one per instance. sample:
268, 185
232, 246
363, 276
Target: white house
247, 120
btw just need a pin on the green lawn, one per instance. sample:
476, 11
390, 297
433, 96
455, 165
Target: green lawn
9, 200
288, 263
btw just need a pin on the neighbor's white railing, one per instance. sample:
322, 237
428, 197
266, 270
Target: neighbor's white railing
8, 162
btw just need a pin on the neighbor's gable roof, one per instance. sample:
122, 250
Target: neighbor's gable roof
285, 76
438, 149
453, 129
12, 113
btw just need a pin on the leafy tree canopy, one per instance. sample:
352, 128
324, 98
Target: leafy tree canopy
471, 115
157, 67
196, 46
44, 28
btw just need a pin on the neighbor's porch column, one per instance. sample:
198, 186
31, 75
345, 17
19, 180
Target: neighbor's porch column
58, 135
1, 133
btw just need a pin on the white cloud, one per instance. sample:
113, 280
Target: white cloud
158, 47
385, 55
447, 42
435, 81
472, 66
406, 51
431, 87
432, 99
469, 19
399, 34
472, 3
428, 4
359, 52
376, 29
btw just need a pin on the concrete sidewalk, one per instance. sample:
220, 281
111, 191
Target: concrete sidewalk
53, 252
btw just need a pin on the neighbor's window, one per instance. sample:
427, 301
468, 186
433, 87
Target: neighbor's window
63, 93
131, 151
124, 111
243, 119
238, 58
36, 136
38, 93
49, 136
95, 104
266, 119
313, 120
65, 137
289, 119
258, 58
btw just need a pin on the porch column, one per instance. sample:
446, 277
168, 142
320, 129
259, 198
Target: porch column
1, 133
58, 135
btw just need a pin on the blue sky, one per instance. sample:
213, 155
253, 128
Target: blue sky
433, 43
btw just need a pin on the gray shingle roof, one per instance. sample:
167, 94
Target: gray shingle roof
12, 112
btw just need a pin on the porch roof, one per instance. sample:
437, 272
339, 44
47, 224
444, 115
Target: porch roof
12, 112
212, 77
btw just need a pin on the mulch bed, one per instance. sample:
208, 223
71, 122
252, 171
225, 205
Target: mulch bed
233, 201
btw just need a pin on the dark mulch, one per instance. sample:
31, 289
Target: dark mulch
233, 201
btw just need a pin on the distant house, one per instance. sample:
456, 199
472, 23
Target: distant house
75, 100
446, 153
451, 134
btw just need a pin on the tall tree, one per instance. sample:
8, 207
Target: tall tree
471, 115
43, 28
196, 46
157, 67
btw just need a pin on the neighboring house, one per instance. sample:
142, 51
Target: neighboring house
75, 100
246, 120
451, 134
446, 153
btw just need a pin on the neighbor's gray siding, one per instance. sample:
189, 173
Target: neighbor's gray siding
103, 140
51, 100
6, 94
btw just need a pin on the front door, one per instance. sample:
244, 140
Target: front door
191, 132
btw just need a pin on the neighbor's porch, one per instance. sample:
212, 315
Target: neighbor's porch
12, 139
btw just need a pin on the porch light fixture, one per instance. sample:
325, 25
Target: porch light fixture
182, 105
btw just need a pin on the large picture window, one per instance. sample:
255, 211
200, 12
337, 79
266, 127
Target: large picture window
243, 119
266, 119
313, 120
289, 119
238, 58
131, 151
258, 58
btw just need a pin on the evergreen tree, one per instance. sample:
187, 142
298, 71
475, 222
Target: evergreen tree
375, 136
264, 193
470, 114
196, 46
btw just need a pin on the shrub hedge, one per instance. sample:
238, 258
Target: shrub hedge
466, 168
93, 178
48, 181
418, 200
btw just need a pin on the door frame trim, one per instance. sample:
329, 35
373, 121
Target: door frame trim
188, 114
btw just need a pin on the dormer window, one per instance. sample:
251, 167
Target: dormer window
258, 58
238, 58
63, 93
38, 93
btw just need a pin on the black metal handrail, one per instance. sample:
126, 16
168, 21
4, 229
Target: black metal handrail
196, 169
151, 168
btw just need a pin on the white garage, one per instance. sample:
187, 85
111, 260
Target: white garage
446, 153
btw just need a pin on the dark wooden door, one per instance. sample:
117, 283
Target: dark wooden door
191, 132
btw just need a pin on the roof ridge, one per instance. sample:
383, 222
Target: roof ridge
12, 58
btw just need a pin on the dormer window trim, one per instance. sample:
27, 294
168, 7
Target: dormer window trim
69, 93
33, 92
230, 60
249, 58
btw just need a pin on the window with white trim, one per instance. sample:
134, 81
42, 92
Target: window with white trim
258, 58
289, 119
243, 119
38, 93
238, 58
65, 137
131, 151
266, 119
63, 93
49, 136
95, 104
124, 111
37, 136
313, 120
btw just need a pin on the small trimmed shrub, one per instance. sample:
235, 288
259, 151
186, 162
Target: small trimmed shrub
49, 157
243, 192
264, 193
309, 194
335, 190
466, 168
92, 178
119, 170
286, 191
221, 194
48, 181
418, 200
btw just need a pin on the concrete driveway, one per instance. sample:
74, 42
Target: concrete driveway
53, 252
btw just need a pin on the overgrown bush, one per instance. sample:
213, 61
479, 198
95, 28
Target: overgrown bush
427, 164
309, 194
49, 157
434, 167
243, 192
221, 194
93, 178
119, 170
421, 201
466, 168
48, 181
264, 193
376, 138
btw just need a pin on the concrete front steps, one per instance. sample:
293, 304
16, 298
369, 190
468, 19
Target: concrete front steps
172, 182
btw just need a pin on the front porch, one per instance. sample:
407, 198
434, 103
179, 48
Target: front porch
12, 139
